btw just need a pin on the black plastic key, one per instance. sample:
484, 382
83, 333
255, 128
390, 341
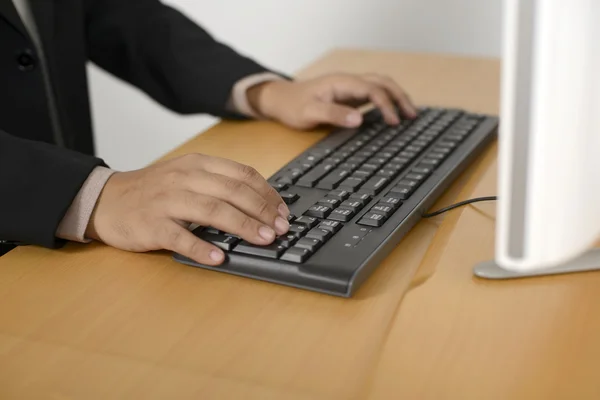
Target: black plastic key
224, 242
271, 251
318, 211
289, 198
352, 183
296, 255
331, 202
383, 209
320, 234
374, 185
341, 214
310, 222
372, 219
339, 194
391, 200
311, 244
314, 175
298, 229
364, 197
332, 180
355, 205
286, 240
332, 226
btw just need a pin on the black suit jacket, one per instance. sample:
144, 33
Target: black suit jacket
143, 42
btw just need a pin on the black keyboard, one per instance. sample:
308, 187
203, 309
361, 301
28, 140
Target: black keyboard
353, 197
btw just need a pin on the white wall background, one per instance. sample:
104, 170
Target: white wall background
131, 130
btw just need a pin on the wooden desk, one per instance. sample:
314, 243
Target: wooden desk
90, 322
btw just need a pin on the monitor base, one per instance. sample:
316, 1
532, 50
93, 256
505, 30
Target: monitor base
589, 261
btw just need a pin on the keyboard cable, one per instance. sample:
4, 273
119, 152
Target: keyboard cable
460, 204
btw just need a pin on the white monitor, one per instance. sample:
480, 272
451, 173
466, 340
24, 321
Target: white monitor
548, 216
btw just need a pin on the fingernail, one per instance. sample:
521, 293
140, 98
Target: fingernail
353, 119
266, 233
216, 256
284, 211
281, 225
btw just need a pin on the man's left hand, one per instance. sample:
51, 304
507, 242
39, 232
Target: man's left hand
330, 100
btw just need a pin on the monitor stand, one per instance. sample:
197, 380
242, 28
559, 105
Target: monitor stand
589, 261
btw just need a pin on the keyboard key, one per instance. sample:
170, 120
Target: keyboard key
296, 255
385, 154
210, 229
416, 177
374, 185
314, 175
286, 240
372, 219
224, 242
341, 214
271, 251
363, 197
354, 205
289, 198
447, 144
339, 194
377, 161
330, 202
349, 166
320, 234
441, 150
369, 167
407, 154
430, 162
414, 148
422, 169
400, 160
408, 182
393, 166
352, 183
333, 160
298, 229
362, 174
436, 156
402, 192
280, 186
391, 200
311, 244
310, 222
387, 173
332, 180
291, 218
318, 211
356, 160
332, 226
383, 209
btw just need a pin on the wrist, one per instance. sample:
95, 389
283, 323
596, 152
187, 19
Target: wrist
265, 98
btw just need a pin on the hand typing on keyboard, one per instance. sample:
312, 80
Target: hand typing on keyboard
329, 100
149, 209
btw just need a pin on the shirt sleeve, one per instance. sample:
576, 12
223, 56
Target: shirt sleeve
74, 223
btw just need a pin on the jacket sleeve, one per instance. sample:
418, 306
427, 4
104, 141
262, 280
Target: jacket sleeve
38, 182
159, 50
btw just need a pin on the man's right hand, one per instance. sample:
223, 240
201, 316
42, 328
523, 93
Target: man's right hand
149, 209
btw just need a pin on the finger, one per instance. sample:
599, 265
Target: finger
319, 112
248, 175
239, 195
357, 88
210, 211
180, 240
407, 107
381, 99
